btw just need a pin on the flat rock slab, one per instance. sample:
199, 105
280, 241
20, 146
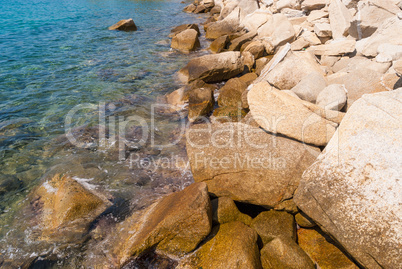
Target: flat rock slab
353, 190
246, 163
281, 113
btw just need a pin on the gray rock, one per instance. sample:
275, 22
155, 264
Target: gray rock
355, 182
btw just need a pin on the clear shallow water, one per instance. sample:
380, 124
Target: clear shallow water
56, 55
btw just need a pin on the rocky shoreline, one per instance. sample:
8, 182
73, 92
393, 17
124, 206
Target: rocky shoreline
294, 144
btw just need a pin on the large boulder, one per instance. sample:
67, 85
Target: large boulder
281, 113
124, 25
278, 30
230, 94
358, 82
301, 64
340, 19
224, 210
219, 44
310, 86
390, 31
253, 21
67, 209
322, 251
227, 26
333, 97
230, 245
201, 102
352, 191
175, 224
186, 41
370, 16
272, 224
213, 68
284, 253
245, 163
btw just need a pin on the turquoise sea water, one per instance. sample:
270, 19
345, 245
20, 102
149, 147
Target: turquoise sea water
57, 55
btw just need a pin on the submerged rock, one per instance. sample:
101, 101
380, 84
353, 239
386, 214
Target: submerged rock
213, 68
355, 182
245, 163
175, 224
124, 25
67, 209
230, 245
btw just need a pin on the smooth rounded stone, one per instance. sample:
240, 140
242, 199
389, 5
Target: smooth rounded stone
310, 87
314, 4
68, 209
299, 44
278, 29
340, 19
256, 48
284, 253
200, 103
390, 31
219, 44
181, 28
333, 97
230, 93
371, 15
301, 64
175, 225
304, 221
248, 78
278, 112
247, 164
224, 210
186, 41
325, 254
336, 47
230, 245
213, 68
272, 224
355, 182
229, 114
124, 25
253, 21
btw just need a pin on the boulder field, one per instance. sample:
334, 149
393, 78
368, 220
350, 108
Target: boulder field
294, 142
